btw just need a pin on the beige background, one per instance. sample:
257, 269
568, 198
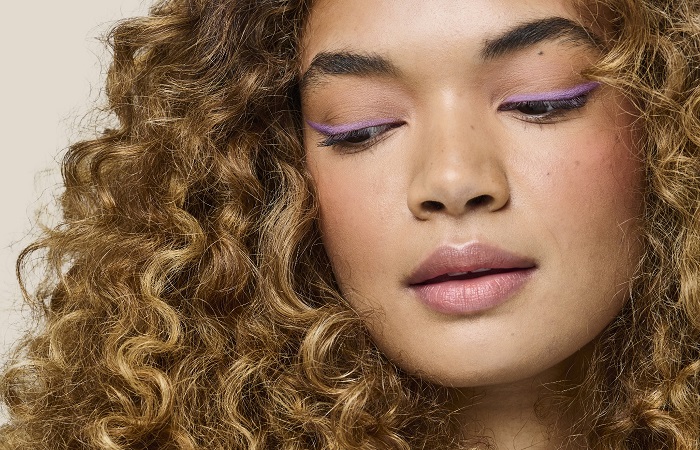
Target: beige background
51, 73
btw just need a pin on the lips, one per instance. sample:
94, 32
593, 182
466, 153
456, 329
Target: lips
469, 278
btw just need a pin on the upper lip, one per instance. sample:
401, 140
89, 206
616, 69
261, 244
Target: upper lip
447, 260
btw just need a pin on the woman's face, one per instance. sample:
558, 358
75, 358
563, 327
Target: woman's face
479, 197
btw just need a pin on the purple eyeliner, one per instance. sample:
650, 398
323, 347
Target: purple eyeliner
330, 130
566, 94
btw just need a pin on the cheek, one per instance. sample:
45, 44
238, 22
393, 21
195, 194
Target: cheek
353, 212
595, 190
587, 201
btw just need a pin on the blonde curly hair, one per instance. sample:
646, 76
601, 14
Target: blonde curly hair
188, 301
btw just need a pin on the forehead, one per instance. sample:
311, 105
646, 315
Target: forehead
418, 26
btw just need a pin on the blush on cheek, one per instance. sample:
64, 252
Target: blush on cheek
355, 201
600, 171
340, 211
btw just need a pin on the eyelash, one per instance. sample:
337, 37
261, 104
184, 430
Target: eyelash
550, 109
364, 137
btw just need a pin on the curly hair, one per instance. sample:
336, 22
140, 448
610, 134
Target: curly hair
643, 383
188, 301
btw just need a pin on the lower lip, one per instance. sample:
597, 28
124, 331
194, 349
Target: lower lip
474, 295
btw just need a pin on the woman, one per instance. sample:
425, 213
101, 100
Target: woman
359, 224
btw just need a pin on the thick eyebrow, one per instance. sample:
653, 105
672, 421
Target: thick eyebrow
512, 40
345, 63
532, 33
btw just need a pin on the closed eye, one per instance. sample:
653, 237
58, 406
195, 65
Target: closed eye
539, 110
550, 106
354, 139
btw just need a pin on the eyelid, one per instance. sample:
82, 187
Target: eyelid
340, 136
330, 130
548, 107
552, 96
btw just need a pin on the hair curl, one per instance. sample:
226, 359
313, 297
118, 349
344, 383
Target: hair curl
643, 383
189, 302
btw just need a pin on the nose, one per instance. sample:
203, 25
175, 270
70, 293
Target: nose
459, 170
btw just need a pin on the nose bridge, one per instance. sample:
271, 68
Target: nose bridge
460, 168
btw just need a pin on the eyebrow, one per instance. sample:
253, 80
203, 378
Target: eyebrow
532, 33
345, 63
510, 41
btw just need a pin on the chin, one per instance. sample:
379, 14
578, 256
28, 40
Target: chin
504, 368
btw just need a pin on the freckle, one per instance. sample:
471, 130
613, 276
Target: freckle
471, 126
577, 163
548, 173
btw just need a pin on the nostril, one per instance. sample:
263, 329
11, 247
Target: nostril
431, 205
479, 201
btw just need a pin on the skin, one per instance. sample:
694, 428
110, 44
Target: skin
564, 193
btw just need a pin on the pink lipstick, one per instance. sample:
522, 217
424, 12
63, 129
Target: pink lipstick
470, 278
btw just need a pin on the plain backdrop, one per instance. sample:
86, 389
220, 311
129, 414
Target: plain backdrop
52, 74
